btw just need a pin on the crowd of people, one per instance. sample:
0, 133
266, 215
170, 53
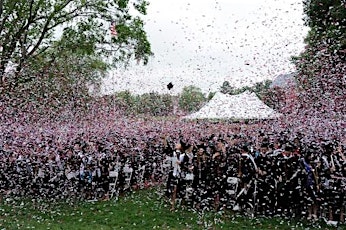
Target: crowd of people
265, 178
266, 175
84, 169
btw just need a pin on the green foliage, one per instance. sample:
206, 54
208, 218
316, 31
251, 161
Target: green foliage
210, 95
191, 99
262, 89
152, 103
126, 100
29, 38
259, 88
226, 88
321, 66
327, 22
326, 38
274, 97
155, 104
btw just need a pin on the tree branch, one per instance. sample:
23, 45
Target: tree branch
1, 7
68, 16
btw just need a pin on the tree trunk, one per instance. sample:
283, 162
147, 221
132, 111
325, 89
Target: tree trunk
1, 7
2, 75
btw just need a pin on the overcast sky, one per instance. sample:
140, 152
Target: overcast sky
206, 42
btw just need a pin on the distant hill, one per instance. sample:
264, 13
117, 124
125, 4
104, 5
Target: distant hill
283, 80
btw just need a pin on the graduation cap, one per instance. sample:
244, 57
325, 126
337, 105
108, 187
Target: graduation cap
245, 147
200, 146
183, 144
170, 86
265, 144
289, 147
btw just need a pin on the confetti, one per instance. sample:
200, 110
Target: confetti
283, 156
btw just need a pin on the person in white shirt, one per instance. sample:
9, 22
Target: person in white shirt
176, 172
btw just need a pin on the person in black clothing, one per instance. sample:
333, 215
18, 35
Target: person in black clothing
338, 189
217, 171
200, 172
174, 177
294, 184
311, 184
231, 176
104, 167
186, 168
247, 174
265, 193
283, 182
326, 171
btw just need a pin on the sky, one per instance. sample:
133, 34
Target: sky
206, 42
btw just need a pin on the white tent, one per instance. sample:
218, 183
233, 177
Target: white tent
242, 106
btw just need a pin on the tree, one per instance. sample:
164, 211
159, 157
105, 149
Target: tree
327, 22
326, 43
226, 87
259, 88
154, 104
191, 99
318, 101
274, 98
321, 67
210, 95
29, 35
126, 100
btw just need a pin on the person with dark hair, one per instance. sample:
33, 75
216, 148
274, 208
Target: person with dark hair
88, 182
294, 183
311, 184
231, 176
342, 191
186, 167
340, 151
265, 192
200, 172
175, 173
327, 182
217, 170
337, 188
247, 175
104, 180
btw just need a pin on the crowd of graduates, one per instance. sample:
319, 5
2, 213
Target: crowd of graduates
265, 176
79, 170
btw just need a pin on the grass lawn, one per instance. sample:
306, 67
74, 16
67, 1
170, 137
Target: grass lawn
137, 210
